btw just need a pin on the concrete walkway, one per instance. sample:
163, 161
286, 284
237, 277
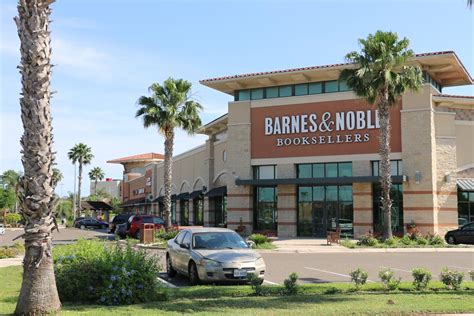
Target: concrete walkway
17, 261
313, 245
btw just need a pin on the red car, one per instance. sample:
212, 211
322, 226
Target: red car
135, 223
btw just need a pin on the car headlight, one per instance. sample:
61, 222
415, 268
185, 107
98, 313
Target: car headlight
259, 262
208, 263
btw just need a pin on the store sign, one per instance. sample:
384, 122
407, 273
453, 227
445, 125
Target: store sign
325, 128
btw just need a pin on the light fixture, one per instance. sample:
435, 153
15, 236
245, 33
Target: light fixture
417, 177
447, 177
404, 178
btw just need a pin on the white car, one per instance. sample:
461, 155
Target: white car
2, 229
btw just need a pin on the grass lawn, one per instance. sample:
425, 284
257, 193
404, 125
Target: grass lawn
219, 300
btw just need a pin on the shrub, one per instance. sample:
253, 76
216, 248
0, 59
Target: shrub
471, 273
388, 279
12, 251
291, 288
256, 284
368, 240
259, 239
12, 218
347, 243
265, 245
359, 277
392, 241
162, 233
406, 240
421, 278
436, 240
91, 272
452, 279
420, 240
332, 290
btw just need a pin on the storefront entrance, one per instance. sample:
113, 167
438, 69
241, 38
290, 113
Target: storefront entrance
323, 208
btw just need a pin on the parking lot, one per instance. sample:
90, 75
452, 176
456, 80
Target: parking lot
335, 267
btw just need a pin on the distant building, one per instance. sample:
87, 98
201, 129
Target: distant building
110, 186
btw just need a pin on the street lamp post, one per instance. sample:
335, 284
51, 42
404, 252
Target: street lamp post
74, 195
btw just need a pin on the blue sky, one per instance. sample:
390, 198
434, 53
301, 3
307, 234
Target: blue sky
107, 52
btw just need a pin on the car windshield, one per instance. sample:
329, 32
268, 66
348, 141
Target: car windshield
154, 220
218, 240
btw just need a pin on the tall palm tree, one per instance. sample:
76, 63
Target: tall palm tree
382, 76
169, 107
57, 177
38, 294
82, 154
96, 174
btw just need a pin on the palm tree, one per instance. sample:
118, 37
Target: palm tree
38, 294
57, 177
169, 107
82, 154
382, 76
96, 174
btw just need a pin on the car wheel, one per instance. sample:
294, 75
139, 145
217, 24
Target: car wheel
169, 268
193, 274
83, 227
451, 240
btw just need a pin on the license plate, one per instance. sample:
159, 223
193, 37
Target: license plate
239, 273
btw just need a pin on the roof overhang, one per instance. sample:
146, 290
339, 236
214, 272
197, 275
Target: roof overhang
454, 100
215, 126
444, 67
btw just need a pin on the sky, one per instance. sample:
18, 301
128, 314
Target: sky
108, 52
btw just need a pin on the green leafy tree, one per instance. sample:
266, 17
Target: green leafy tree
9, 179
7, 199
96, 174
38, 294
57, 176
82, 154
381, 76
169, 107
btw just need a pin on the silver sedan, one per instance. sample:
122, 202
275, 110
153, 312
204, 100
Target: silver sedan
212, 255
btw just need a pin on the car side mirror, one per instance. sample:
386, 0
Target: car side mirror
184, 246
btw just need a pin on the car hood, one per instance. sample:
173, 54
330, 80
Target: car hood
229, 255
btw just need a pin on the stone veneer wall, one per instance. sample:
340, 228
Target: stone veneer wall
363, 208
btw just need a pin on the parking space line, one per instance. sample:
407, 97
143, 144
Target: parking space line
166, 283
339, 274
461, 267
270, 282
396, 269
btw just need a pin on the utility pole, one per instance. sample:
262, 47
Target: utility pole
74, 195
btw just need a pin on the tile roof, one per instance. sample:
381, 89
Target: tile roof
140, 157
321, 67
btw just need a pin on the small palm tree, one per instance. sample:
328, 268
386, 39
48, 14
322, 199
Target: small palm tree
82, 154
96, 174
57, 177
38, 294
381, 76
169, 107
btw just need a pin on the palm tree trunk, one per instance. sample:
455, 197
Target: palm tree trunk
38, 294
79, 187
385, 168
169, 140
95, 187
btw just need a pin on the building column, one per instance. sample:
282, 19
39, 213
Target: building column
362, 197
287, 211
240, 208
208, 212
178, 212
191, 212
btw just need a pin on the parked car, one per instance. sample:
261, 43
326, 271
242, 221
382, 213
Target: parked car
2, 229
118, 219
212, 255
89, 222
121, 230
462, 221
462, 235
135, 223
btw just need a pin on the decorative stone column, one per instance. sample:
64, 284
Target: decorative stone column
363, 208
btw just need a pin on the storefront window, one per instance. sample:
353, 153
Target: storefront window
396, 168
272, 92
184, 210
244, 95
286, 91
173, 211
257, 94
301, 89
332, 86
198, 210
396, 194
315, 88
264, 172
325, 170
465, 207
322, 208
220, 209
265, 208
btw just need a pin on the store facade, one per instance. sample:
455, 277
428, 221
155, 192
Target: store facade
297, 154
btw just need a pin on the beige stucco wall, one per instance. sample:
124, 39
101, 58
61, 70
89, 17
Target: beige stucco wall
464, 131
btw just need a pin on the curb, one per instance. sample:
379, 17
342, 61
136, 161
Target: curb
367, 250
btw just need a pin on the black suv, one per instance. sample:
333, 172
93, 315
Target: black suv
118, 219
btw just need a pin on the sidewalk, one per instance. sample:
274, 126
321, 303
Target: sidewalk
17, 261
313, 245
